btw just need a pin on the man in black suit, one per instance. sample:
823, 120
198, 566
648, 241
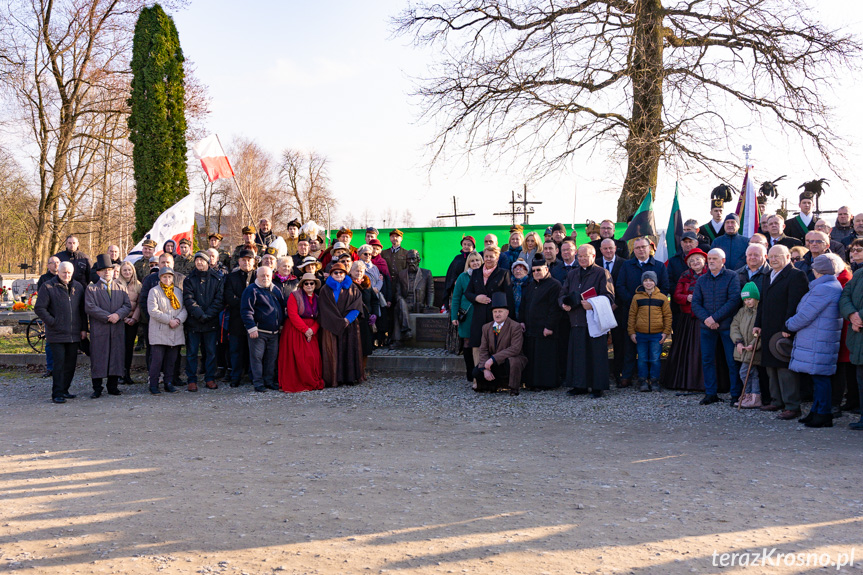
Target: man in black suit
235, 283
776, 233
714, 228
606, 232
804, 222
612, 264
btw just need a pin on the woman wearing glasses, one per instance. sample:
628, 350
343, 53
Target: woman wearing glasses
300, 355
341, 351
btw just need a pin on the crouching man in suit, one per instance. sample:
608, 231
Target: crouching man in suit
500, 355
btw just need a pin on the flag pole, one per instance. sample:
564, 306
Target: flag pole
234, 179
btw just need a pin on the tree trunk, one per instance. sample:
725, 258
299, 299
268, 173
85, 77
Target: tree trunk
644, 144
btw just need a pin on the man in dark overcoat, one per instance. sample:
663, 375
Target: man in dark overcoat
235, 283
780, 294
542, 317
107, 305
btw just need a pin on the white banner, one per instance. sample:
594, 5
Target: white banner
175, 223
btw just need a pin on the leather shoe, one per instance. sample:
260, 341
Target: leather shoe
272, 386
235, 384
577, 391
788, 415
117, 392
212, 385
770, 407
513, 392
820, 420
596, 394
625, 382
96, 395
192, 386
708, 399
170, 388
807, 418
69, 396
155, 390
58, 400
260, 389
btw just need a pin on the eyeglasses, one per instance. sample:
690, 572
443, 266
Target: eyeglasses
814, 241
338, 273
796, 258
309, 283
855, 250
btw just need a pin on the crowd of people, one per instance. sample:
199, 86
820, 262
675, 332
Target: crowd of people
773, 319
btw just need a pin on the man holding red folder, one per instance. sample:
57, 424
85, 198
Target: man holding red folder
587, 363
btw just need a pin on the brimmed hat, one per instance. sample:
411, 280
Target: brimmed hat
780, 347
185, 242
249, 230
215, 235
377, 243
165, 270
310, 277
340, 246
246, 254
397, 232
154, 260
750, 291
203, 255
695, 252
103, 261
538, 261
498, 300
309, 260
148, 243
336, 267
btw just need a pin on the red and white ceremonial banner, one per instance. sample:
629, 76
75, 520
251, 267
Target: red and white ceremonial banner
175, 223
213, 158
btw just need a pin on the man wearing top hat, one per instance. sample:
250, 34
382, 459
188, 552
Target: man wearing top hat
183, 261
107, 305
142, 266
501, 361
804, 222
714, 228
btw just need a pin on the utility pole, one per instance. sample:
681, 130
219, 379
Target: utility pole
455, 215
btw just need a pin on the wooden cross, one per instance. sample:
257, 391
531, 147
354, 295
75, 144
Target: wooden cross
455, 215
520, 206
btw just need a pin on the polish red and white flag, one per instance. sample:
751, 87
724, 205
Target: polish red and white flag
213, 158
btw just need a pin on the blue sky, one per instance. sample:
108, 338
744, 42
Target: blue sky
328, 76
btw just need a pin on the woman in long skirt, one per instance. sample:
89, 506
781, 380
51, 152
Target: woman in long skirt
300, 366
683, 370
340, 304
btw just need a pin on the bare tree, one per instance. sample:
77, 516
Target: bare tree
15, 196
644, 80
304, 179
255, 174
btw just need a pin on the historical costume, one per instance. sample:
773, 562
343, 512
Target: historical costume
300, 354
685, 371
107, 338
340, 304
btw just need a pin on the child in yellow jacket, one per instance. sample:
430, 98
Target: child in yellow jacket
649, 326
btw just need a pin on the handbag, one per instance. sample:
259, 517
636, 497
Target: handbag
462, 315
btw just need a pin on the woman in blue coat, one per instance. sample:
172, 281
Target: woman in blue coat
818, 328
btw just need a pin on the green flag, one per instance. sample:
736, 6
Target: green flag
643, 223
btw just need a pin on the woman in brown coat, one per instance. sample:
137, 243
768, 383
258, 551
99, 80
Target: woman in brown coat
339, 307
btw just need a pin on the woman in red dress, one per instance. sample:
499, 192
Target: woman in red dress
299, 354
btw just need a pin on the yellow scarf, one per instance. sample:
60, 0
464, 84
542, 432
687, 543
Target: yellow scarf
169, 292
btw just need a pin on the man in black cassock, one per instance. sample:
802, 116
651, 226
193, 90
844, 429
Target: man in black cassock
542, 318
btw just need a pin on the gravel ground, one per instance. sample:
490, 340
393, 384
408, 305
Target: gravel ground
413, 474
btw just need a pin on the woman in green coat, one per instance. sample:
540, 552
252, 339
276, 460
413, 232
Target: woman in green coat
461, 306
850, 308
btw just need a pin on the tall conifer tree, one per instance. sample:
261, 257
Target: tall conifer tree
157, 121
